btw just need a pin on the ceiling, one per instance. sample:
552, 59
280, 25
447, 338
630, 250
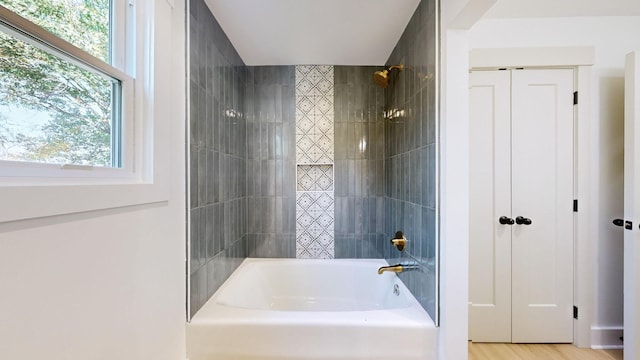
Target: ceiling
358, 32
296, 32
563, 8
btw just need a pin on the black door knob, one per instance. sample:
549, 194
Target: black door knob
618, 222
523, 220
506, 220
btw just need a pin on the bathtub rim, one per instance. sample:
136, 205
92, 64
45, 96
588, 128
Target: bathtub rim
215, 313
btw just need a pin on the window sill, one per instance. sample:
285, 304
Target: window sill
36, 201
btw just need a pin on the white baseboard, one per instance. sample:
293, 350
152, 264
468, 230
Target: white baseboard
606, 337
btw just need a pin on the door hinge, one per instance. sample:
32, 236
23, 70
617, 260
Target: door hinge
575, 98
575, 312
575, 205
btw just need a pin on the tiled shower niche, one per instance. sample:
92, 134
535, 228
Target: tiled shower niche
315, 178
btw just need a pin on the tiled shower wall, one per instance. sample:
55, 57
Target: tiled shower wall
271, 163
247, 169
217, 191
359, 161
410, 151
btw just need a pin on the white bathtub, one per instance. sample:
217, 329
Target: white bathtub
311, 309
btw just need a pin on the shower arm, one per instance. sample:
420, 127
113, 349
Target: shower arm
421, 75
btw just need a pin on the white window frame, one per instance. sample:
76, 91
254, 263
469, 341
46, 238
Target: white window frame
33, 190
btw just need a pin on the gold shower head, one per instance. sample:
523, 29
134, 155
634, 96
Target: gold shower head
381, 78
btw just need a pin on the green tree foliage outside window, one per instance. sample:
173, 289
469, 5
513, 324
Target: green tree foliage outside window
73, 106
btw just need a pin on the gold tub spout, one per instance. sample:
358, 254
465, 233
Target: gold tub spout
394, 268
400, 268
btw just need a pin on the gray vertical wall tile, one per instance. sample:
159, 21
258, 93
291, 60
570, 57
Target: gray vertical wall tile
209, 221
194, 293
270, 159
211, 285
359, 155
195, 239
410, 150
217, 165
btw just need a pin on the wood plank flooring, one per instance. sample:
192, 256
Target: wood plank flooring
493, 351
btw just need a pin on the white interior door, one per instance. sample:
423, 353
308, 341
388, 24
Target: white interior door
521, 166
490, 189
632, 208
542, 191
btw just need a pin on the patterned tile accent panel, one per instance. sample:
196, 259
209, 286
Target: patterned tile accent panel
314, 159
315, 178
314, 114
314, 225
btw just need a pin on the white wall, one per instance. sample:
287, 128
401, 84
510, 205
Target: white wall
454, 200
106, 284
456, 17
612, 38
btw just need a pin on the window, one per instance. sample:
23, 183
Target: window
88, 58
63, 84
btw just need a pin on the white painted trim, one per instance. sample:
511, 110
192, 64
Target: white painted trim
438, 164
606, 337
631, 258
584, 223
187, 150
454, 204
36, 36
539, 57
453, 179
607, 347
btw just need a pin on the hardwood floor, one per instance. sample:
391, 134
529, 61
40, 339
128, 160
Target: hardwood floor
492, 351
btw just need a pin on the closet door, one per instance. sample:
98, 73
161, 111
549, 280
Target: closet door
542, 194
521, 213
490, 199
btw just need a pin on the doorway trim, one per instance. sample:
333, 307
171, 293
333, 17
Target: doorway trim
585, 224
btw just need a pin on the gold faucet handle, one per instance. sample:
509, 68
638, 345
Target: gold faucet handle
400, 243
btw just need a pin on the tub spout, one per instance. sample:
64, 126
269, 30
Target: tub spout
394, 268
398, 268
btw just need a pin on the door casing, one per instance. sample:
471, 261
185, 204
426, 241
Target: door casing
511, 178
632, 207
